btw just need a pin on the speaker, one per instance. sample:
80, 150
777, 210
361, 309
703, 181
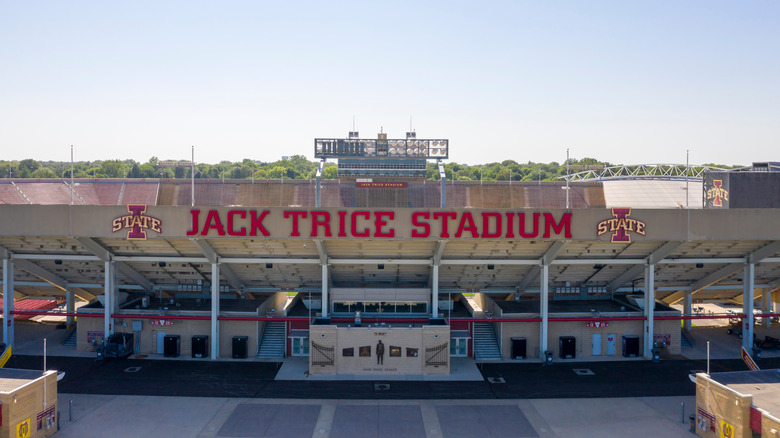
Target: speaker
200, 346
567, 347
240, 346
518, 348
630, 346
171, 345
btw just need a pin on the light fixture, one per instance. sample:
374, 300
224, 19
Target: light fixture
380, 266
491, 266
699, 265
161, 264
269, 265
58, 262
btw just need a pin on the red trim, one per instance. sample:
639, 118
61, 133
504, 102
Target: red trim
755, 419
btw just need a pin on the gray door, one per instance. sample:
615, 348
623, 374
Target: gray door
597, 344
160, 342
611, 344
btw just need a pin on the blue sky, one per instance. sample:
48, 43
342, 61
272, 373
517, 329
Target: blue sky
624, 82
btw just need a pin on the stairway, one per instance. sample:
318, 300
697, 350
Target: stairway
485, 343
272, 343
684, 341
70, 341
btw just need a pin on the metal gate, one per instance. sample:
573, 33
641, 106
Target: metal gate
321, 355
436, 356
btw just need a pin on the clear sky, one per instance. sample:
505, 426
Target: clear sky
624, 81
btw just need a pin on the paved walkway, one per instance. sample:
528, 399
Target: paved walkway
133, 416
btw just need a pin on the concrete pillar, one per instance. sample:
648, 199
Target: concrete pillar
8, 301
649, 309
544, 294
108, 300
70, 306
766, 306
325, 300
435, 292
214, 310
687, 309
747, 305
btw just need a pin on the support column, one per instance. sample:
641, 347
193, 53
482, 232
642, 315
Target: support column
70, 306
688, 309
214, 311
325, 302
766, 306
649, 309
544, 294
8, 301
108, 300
435, 292
747, 306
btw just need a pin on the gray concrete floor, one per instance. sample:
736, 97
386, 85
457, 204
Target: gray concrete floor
133, 416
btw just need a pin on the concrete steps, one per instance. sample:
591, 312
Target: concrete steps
272, 342
485, 342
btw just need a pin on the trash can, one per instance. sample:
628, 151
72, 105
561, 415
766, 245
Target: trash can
171, 345
240, 346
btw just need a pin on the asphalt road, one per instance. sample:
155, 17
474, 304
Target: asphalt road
256, 380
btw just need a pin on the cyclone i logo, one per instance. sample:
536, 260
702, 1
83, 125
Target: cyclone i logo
23, 429
621, 225
717, 194
137, 222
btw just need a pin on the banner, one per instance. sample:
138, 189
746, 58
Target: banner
749, 360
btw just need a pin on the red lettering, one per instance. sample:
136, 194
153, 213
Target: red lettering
510, 228
379, 223
425, 226
564, 225
463, 225
486, 234
342, 224
444, 215
194, 230
523, 234
256, 223
212, 221
355, 214
295, 215
230, 230
320, 219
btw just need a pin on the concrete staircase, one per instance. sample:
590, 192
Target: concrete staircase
272, 342
485, 342
70, 341
684, 341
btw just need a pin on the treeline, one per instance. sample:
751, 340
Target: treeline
294, 167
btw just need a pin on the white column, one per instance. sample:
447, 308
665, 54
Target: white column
747, 306
214, 310
8, 301
325, 301
435, 292
687, 309
543, 309
108, 300
70, 306
649, 309
766, 306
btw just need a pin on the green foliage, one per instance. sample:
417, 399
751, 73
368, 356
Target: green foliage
294, 167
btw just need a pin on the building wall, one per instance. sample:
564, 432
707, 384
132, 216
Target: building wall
727, 406
412, 342
582, 334
29, 402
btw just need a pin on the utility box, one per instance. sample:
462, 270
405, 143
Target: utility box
171, 345
518, 348
200, 346
567, 347
240, 347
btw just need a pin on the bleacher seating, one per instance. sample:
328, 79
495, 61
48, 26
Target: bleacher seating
9, 194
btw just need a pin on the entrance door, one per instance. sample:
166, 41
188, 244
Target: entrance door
611, 344
160, 342
300, 346
596, 344
459, 347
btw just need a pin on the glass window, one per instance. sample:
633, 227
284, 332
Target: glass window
403, 307
419, 307
339, 307
305, 346
387, 308
372, 307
